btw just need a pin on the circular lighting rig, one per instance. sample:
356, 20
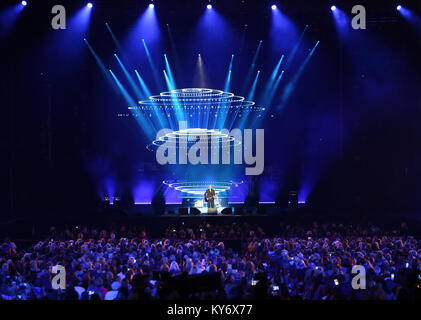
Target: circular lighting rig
198, 188
195, 99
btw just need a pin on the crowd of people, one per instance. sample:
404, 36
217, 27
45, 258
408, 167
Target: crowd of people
296, 263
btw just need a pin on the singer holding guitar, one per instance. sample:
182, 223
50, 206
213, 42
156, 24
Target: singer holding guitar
210, 196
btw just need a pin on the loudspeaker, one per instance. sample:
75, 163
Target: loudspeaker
159, 211
212, 211
116, 214
261, 210
226, 211
194, 211
105, 204
238, 211
183, 211
293, 199
117, 203
249, 212
197, 283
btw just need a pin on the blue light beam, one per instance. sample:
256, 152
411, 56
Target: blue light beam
132, 83
152, 65
292, 84
295, 49
270, 83
79, 23
102, 67
413, 19
139, 116
169, 73
251, 69
228, 78
8, 18
283, 32
116, 42
342, 23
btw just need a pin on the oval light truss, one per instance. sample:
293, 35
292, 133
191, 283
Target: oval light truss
190, 99
212, 136
196, 188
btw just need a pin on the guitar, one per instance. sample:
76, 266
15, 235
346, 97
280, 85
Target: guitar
209, 198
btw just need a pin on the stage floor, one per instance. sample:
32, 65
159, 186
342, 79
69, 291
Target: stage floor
179, 209
204, 210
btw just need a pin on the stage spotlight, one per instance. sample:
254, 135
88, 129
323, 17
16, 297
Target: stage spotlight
209, 6
90, 5
24, 3
293, 199
274, 7
398, 7
105, 203
151, 5
333, 8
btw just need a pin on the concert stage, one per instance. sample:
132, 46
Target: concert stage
233, 209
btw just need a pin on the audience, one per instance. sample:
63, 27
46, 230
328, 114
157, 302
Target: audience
298, 263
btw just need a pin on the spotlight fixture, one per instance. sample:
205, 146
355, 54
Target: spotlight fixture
90, 5
333, 8
274, 7
209, 6
24, 3
398, 7
151, 5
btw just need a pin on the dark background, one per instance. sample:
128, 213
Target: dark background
350, 129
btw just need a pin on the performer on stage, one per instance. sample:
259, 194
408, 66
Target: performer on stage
210, 197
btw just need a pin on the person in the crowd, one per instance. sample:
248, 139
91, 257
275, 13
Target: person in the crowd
313, 263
